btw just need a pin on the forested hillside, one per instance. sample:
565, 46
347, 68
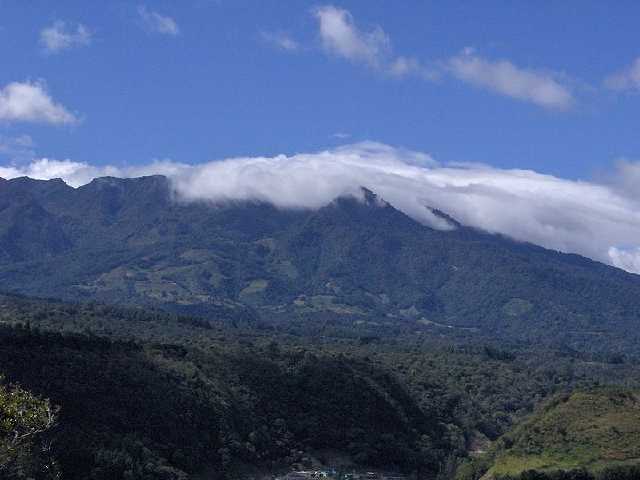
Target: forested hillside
146, 394
161, 411
580, 435
356, 263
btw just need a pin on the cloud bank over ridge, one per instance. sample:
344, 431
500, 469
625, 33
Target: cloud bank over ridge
597, 220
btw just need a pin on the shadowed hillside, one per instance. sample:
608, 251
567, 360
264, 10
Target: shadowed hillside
165, 411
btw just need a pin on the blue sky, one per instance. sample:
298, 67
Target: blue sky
200, 80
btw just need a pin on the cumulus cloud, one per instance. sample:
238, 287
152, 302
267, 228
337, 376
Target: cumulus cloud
340, 36
280, 40
505, 78
62, 36
30, 102
627, 79
598, 220
157, 23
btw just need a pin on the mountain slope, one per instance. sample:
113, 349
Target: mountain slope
582, 430
357, 261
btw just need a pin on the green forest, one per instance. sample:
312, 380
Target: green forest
112, 392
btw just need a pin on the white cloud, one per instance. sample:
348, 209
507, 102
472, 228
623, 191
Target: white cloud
627, 79
626, 259
505, 78
30, 102
403, 66
598, 220
340, 36
61, 36
157, 23
281, 41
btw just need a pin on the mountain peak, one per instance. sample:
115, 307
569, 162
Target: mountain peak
113, 194
109, 181
28, 180
154, 184
34, 187
34, 182
106, 180
362, 196
371, 198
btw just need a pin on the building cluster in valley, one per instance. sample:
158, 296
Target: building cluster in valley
332, 474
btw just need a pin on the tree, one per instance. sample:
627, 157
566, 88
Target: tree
25, 424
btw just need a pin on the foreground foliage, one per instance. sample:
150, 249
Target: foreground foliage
26, 424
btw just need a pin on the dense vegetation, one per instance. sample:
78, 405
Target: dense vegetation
583, 434
354, 262
146, 394
26, 424
133, 410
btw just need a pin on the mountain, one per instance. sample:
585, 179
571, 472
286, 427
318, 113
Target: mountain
594, 431
357, 262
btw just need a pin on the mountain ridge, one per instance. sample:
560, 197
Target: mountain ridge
358, 261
